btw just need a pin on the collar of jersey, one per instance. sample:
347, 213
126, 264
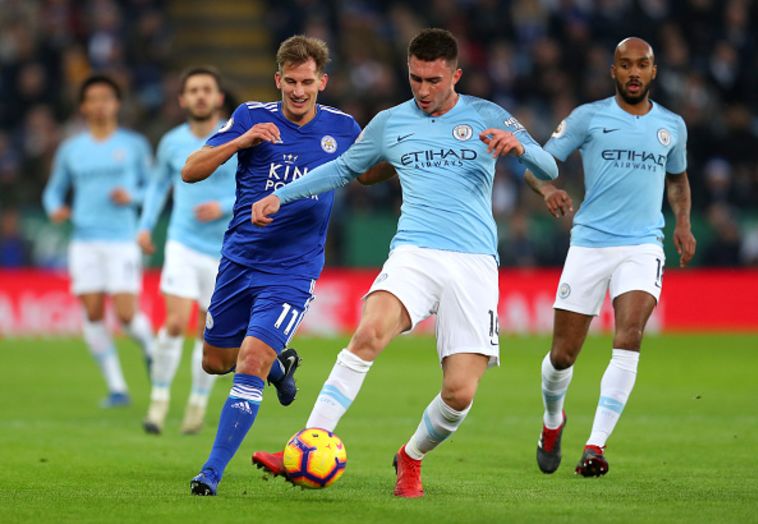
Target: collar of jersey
653, 108
292, 124
453, 110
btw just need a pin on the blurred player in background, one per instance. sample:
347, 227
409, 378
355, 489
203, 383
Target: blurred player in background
266, 276
199, 218
443, 259
631, 149
107, 167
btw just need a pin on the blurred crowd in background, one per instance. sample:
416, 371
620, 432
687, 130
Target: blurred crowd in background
537, 58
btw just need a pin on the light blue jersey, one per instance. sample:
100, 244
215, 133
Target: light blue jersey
445, 172
94, 169
626, 158
184, 227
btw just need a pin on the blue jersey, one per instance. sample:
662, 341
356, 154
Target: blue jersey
625, 158
185, 228
294, 243
94, 169
445, 171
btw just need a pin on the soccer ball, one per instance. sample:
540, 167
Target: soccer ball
314, 458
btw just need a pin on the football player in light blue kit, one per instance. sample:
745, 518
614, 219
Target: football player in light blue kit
200, 215
106, 166
631, 149
443, 258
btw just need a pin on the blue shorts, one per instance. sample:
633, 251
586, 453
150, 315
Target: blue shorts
252, 303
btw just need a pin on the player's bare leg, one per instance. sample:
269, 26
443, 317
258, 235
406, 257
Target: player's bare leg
384, 317
569, 333
632, 311
167, 353
103, 350
202, 383
135, 323
441, 418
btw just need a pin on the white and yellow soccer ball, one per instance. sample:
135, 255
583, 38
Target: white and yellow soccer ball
314, 458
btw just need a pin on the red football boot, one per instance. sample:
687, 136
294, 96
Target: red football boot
408, 471
271, 462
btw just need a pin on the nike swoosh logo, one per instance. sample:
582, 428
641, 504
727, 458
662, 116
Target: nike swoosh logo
290, 363
609, 130
494, 343
403, 137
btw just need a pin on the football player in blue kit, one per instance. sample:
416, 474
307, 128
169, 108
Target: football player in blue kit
107, 167
632, 148
443, 258
266, 276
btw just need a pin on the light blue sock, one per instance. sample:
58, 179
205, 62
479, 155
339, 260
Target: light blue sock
237, 416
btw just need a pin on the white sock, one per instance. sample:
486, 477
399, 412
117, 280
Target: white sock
615, 388
166, 355
339, 391
438, 422
555, 383
101, 346
202, 382
140, 330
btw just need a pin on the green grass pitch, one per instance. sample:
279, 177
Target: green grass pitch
684, 451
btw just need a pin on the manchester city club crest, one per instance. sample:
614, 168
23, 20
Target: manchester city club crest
664, 137
564, 290
463, 132
329, 144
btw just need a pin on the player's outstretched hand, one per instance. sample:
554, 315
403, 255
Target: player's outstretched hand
558, 202
263, 208
145, 241
60, 215
208, 211
121, 196
685, 244
500, 142
263, 132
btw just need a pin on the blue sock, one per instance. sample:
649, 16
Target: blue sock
277, 371
237, 416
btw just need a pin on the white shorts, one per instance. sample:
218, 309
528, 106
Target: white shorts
460, 288
104, 267
589, 272
187, 273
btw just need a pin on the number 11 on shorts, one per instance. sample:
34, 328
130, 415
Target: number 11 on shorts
287, 310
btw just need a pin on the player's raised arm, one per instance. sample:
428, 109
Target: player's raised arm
680, 200
514, 139
557, 200
364, 154
238, 133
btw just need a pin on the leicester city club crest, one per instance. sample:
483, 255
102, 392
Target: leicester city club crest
328, 144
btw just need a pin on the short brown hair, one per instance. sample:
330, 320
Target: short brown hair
299, 49
433, 43
199, 70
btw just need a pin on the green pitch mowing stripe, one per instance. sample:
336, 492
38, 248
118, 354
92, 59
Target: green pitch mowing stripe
684, 450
